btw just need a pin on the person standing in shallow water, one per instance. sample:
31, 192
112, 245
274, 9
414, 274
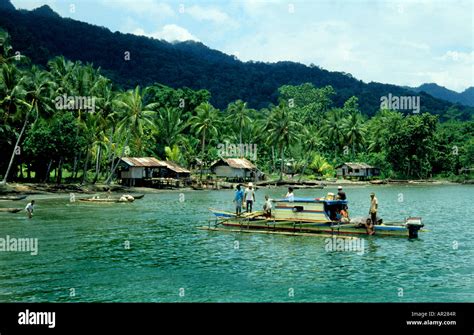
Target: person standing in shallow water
238, 199
30, 208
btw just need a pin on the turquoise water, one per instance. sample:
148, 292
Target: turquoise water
83, 250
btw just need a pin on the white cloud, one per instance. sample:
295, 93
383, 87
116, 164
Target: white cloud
212, 14
397, 42
458, 56
142, 7
169, 32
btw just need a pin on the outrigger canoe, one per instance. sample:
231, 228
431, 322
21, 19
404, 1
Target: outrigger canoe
13, 197
315, 216
105, 201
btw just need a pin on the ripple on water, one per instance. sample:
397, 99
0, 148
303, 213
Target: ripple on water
150, 249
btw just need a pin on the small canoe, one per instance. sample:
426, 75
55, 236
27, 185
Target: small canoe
13, 197
138, 196
10, 210
104, 201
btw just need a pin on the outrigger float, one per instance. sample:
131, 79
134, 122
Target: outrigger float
305, 216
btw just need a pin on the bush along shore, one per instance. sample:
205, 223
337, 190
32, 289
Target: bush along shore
42, 188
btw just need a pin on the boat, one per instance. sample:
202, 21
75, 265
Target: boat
10, 210
138, 196
13, 197
315, 216
105, 200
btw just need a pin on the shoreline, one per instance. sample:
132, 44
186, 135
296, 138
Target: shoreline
41, 188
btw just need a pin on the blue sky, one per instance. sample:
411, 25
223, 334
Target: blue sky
406, 42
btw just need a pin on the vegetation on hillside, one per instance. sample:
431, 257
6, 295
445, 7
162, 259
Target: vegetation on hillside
304, 132
130, 60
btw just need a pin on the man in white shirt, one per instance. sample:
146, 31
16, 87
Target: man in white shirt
249, 197
30, 208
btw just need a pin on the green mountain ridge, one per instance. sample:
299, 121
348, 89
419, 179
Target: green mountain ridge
466, 97
42, 34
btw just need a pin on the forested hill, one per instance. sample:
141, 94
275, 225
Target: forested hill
466, 97
42, 34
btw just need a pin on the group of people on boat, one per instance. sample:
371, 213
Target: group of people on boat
341, 213
247, 197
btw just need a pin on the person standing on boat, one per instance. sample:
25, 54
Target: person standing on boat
249, 197
30, 208
341, 195
374, 206
238, 200
267, 207
290, 196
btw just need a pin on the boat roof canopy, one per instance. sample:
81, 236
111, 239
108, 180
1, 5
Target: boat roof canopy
328, 202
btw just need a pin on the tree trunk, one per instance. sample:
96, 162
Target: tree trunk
109, 153
21, 176
86, 163
109, 179
304, 169
4, 181
28, 171
48, 170
202, 152
273, 158
97, 165
203, 142
281, 163
240, 137
59, 175
73, 175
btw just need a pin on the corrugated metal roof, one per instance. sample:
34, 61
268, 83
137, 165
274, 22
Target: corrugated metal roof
142, 161
357, 165
153, 162
237, 163
174, 167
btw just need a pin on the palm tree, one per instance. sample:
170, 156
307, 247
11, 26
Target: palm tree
283, 131
310, 141
133, 115
332, 129
170, 125
63, 73
205, 122
238, 116
354, 130
37, 98
173, 154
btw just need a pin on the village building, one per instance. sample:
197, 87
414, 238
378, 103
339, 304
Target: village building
356, 170
151, 172
237, 169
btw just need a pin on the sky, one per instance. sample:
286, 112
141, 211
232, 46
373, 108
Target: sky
405, 42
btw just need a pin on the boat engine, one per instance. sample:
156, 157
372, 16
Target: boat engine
413, 225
